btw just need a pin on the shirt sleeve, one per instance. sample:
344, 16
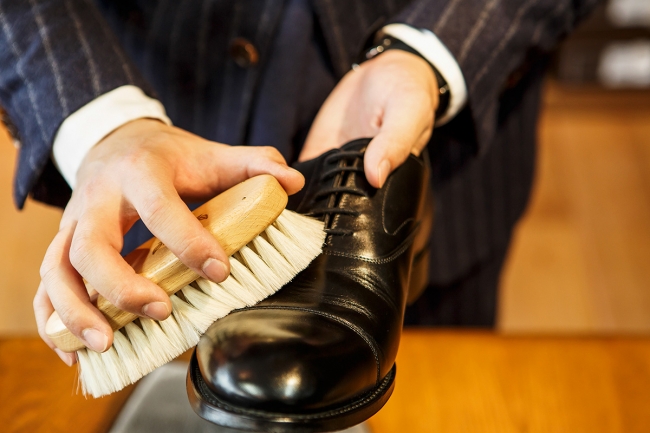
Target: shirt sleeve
431, 48
491, 40
87, 126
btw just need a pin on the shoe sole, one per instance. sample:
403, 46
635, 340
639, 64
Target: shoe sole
211, 408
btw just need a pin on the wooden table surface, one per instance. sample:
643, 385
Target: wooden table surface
446, 382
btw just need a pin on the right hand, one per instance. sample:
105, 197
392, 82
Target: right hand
143, 169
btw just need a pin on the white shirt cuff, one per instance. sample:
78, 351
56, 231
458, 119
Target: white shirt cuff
431, 48
87, 126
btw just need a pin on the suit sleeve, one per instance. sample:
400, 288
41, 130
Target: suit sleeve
490, 39
55, 57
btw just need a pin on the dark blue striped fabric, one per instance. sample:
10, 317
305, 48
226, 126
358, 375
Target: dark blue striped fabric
57, 55
49, 68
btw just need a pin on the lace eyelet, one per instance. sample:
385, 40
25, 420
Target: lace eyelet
331, 211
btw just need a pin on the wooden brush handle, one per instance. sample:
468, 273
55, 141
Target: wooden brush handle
234, 217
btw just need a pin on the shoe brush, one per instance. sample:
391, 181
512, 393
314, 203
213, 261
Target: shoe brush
267, 246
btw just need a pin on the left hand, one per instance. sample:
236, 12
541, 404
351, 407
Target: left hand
392, 98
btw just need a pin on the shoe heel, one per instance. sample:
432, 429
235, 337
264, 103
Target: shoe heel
419, 275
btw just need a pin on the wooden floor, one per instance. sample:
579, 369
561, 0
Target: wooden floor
580, 261
446, 382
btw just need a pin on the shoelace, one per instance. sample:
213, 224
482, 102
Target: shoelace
334, 192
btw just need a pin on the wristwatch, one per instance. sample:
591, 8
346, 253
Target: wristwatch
390, 43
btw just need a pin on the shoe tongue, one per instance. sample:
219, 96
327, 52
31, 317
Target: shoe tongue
312, 168
356, 145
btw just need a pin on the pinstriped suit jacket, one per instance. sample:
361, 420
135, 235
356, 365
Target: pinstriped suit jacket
57, 55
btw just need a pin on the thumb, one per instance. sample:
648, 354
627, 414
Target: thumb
404, 131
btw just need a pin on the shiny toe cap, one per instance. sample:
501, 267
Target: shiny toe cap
285, 360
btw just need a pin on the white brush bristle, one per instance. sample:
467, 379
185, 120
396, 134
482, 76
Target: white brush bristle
127, 356
258, 270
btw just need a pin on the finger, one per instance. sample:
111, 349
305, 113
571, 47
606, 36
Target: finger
321, 137
95, 255
239, 163
67, 294
272, 162
344, 116
43, 309
169, 219
406, 128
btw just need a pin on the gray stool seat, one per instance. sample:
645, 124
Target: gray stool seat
159, 405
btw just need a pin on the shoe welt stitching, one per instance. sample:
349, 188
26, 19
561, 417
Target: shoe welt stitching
207, 394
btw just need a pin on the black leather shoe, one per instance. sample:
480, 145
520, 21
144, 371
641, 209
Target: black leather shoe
319, 355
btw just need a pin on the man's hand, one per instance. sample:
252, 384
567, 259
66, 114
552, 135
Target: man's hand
141, 170
392, 98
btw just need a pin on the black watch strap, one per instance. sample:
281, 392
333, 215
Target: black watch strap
390, 43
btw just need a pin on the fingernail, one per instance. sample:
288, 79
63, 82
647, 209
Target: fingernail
382, 172
156, 310
68, 358
97, 341
215, 270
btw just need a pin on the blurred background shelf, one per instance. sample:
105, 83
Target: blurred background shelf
611, 48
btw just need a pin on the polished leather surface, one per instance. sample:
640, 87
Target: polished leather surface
331, 334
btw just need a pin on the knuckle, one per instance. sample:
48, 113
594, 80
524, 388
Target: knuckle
138, 162
80, 253
92, 189
37, 302
193, 249
132, 161
71, 318
130, 295
125, 297
269, 152
52, 258
71, 211
153, 208
46, 269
